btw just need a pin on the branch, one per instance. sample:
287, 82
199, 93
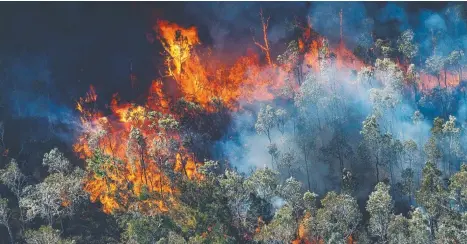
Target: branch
265, 48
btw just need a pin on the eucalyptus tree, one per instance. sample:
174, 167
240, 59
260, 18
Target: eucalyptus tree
58, 195
338, 218
310, 97
5, 217
292, 194
380, 206
233, 186
282, 228
419, 228
376, 142
339, 148
417, 120
432, 196
45, 235
288, 161
411, 157
458, 189
413, 79
366, 76
456, 61
291, 60
282, 117
16, 181
406, 45
434, 65
266, 121
56, 162
263, 183
310, 221
13, 178
305, 140
408, 183
398, 230
432, 147
273, 150
452, 229
451, 135
389, 74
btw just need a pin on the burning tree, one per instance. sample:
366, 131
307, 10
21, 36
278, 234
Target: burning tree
131, 159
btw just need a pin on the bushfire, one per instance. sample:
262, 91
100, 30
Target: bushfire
135, 155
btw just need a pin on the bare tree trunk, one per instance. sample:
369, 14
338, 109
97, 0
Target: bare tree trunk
460, 74
377, 169
307, 171
445, 79
10, 233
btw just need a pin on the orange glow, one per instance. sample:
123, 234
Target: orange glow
346, 59
428, 81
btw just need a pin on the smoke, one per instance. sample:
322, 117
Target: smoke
245, 149
31, 94
393, 12
356, 25
232, 26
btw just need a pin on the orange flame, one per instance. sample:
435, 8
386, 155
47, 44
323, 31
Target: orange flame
177, 41
201, 78
126, 156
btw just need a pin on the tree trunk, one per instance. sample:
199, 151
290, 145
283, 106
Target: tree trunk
390, 169
272, 161
12, 241
415, 93
307, 171
445, 79
433, 228
460, 74
377, 169
341, 164
317, 116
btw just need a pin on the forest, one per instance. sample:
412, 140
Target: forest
302, 123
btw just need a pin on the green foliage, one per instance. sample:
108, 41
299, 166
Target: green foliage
98, 162
146, 229
398, 230
281, 229
266, 121
406, 45
458, 188
380, 207
419, 229
169, 123
264, 183
338, 218
434, 65
13, 178
408, 184
432, 195
45, 235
